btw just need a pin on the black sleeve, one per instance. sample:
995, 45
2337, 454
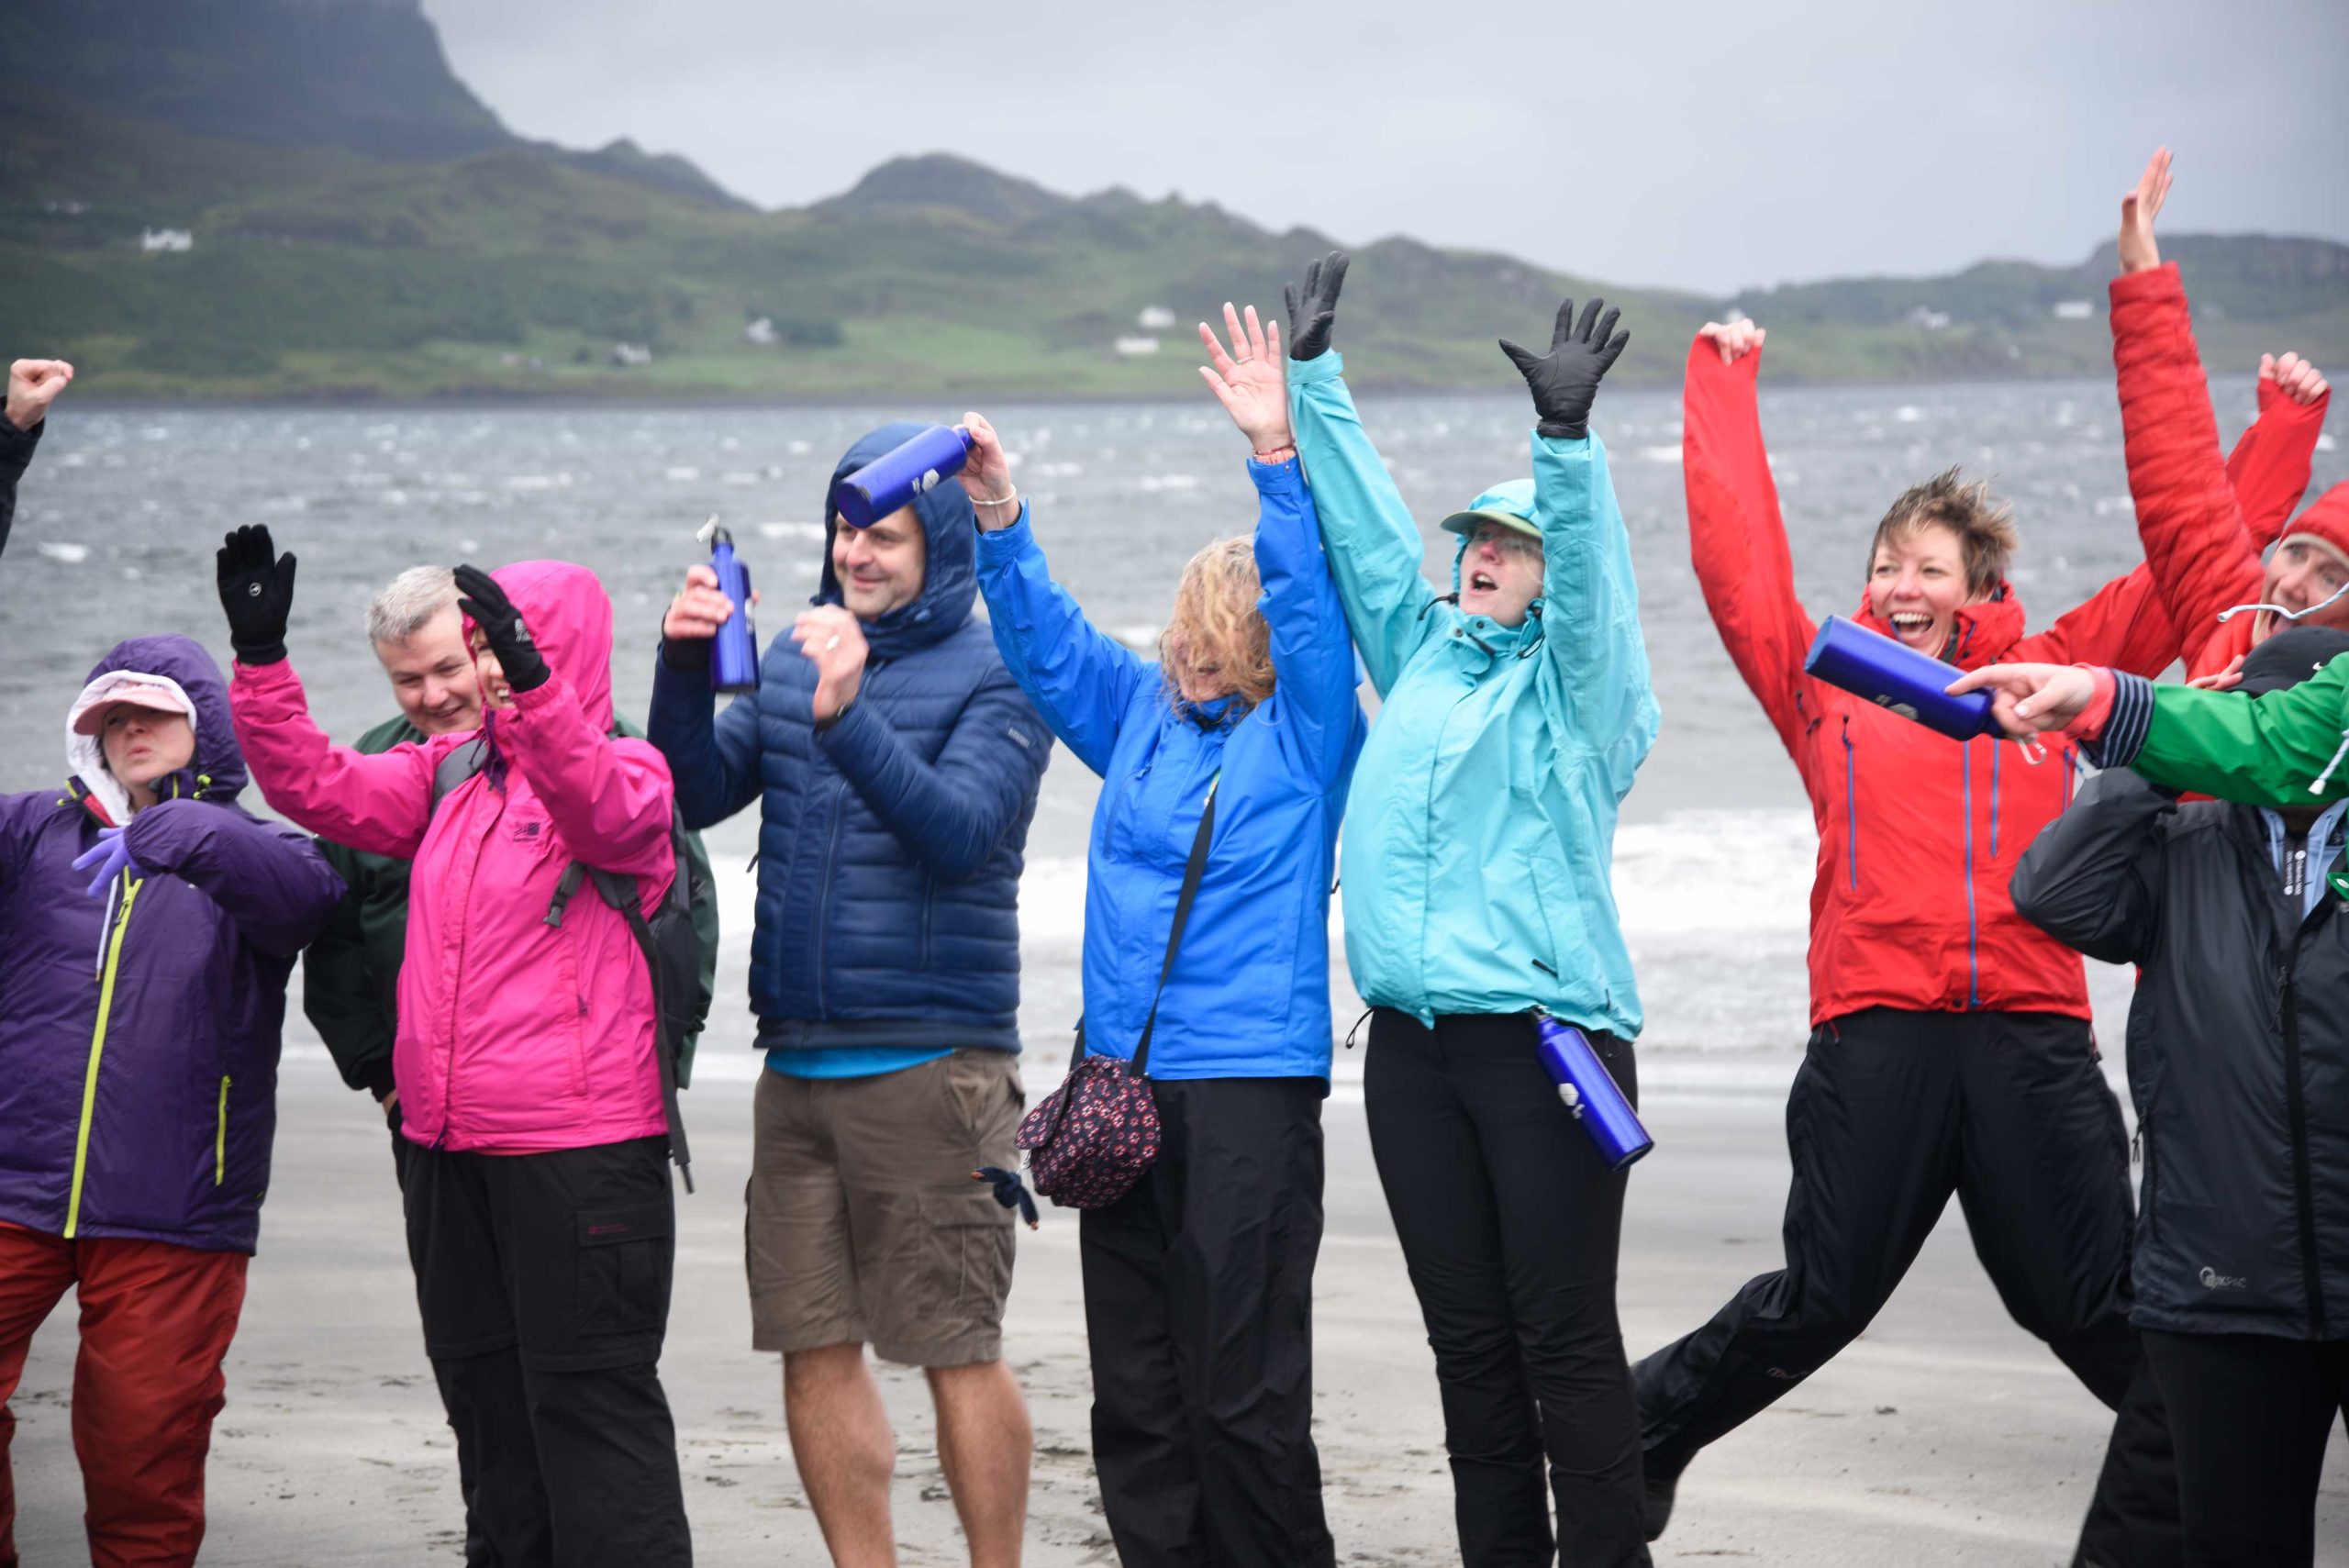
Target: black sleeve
342, 996
2093, 877
16, 451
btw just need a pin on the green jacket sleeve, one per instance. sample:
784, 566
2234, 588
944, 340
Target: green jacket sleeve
1373, 544
342, 996
1590, 605
2284, 749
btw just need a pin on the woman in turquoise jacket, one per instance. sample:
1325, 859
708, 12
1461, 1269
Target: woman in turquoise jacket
1517, 709
1198, 1282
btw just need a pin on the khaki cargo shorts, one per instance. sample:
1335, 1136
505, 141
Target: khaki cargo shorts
864, 1224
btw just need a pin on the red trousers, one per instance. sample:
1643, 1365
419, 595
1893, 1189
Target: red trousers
156, 1322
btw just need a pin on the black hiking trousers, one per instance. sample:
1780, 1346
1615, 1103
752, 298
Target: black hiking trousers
2253, 1414
1509, 1221
1890, 1113
1199, 1314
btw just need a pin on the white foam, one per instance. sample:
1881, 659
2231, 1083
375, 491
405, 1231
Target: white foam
814, 531
60, 549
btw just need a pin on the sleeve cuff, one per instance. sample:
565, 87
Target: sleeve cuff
375, 1076
1009, 539
1285, 477
2154, 282
2128, 716
686, 655
1328, 365
542, 695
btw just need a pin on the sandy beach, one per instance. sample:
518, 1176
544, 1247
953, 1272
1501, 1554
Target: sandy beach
1946, 1436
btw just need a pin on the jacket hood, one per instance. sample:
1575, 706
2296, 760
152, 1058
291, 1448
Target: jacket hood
218, 770
1980, 633
2326, 521
951, 579
570, 617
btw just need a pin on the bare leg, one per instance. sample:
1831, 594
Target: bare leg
840, 1437
984, 1444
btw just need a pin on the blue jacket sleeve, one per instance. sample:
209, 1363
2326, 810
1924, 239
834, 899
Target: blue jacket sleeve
1079, 679
1592, 646
1374, 545
1322, 723
267, 877
952, 814
713, 757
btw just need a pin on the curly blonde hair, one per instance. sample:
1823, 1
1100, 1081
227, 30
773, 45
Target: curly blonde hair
1984, 525
1216, 622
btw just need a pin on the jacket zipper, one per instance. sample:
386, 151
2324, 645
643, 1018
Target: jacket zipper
824, 893
221, 1139
2295, 1107
1850, 803
1973, 936
1997, 752
97, 1050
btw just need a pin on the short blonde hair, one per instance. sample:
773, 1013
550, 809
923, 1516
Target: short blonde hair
1216, 622
1984, 525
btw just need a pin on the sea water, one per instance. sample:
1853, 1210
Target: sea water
125, 507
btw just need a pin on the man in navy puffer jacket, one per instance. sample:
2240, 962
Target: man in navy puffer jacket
896, 765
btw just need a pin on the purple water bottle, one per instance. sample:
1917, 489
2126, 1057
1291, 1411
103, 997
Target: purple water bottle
1895, 675
1590, 1092
897, 475
734, 651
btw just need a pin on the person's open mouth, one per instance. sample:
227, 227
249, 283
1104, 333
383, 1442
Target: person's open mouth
1909, 624
1482, 582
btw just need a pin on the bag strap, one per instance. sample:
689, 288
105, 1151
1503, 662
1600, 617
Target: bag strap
458, 765
622, 894
1196, 869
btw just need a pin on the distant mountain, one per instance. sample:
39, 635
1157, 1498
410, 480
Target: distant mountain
358, 223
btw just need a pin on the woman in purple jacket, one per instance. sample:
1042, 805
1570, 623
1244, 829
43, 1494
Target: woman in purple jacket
150, 924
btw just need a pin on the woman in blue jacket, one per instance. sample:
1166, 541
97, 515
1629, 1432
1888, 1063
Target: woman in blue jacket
1198, 1282
1516, 710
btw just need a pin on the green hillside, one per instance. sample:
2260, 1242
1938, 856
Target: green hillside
372, 230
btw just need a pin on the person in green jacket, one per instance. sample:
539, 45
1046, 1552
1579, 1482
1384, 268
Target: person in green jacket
2285, 748
351, 972
1476, 870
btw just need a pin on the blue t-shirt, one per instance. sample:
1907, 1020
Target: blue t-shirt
852, 1061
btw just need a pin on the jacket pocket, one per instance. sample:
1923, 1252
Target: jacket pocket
626, 1257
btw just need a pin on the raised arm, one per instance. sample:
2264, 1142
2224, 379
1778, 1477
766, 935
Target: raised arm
1320, 722
1081, 679
2093, 877
1736, 537
1592, 647
266, 876
1374, 545
713, 757
33, 385
2270, 466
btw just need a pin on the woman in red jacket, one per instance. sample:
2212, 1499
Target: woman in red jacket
1949, 1048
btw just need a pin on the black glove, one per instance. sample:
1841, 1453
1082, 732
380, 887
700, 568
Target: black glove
1566, 379
257, 591
1312, 310
502, 628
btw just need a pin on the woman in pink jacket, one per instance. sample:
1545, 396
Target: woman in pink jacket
540, 1215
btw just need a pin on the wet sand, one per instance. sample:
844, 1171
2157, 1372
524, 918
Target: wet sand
1944, 1436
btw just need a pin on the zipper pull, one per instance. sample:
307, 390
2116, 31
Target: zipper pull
2137, 1144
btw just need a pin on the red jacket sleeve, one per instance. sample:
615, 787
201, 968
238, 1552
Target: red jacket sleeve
2203, 561
2121, 625
1736, 537
2270, 467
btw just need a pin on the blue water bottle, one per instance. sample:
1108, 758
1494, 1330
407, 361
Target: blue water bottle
1590, 1092
734, 651
1895, 675
897, 476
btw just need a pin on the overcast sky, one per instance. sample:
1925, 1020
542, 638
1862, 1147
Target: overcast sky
1713, 145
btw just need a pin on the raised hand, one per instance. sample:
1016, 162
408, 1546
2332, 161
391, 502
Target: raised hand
987, 477
1735, 340
1314, 309
2293, 377
2138, 210
33, 385
832, 641
1565, 380
256, 591
483, 602
1250, 381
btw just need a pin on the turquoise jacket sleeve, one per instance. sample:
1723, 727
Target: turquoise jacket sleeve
1374, 545
1322, 723
1592, 645
1079, 679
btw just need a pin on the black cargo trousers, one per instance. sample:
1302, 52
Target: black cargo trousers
1890, 1113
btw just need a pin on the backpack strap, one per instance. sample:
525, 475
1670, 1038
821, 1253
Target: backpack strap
1193, 871
456, 766
622, 893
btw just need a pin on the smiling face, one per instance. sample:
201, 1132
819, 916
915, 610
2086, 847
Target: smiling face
880, 569
433, 677
496, 696
1500, 572
2302, 573
142, 745
1916, 585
